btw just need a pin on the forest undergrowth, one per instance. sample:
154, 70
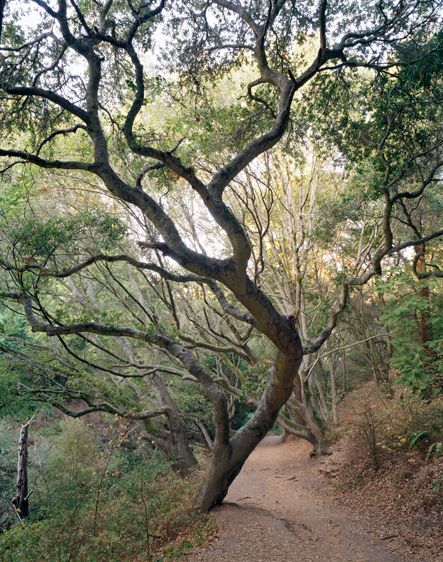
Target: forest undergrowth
387, 465
96, 494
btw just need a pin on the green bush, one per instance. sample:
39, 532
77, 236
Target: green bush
417, 364
7, 474
97, 500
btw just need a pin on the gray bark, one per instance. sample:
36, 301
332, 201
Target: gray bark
183, 457
21, 500
230, 455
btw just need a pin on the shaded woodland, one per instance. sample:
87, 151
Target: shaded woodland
217, 220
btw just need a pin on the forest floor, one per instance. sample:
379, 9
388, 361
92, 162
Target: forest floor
282, 508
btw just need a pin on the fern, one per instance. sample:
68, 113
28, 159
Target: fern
415, 438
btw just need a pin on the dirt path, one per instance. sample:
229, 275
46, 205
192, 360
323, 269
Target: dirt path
275, 512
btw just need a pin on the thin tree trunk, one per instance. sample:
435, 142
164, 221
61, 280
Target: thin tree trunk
21, 500
322, 407
183, 456
2, 9
302, 405
205, 434
344, 372
334, 397
423, 314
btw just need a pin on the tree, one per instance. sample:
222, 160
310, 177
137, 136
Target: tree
84, 376
21, 500
79, 71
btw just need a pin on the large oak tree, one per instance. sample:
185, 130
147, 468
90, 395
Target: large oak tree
77, 68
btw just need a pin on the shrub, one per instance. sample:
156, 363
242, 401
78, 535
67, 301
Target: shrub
381, 430
99, 501
8, 461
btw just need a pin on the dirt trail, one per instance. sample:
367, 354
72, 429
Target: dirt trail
275, 512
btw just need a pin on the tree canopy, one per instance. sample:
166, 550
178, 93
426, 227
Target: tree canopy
197, 188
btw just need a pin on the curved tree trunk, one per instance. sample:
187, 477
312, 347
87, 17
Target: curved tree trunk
304, 431
230, 455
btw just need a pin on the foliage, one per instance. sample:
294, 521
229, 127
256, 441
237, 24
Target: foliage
434, 450
100, 500
417, 363
232, 260
7, 474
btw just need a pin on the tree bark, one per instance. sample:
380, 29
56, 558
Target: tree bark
229, 456
423, 314
204, 432
184, 458
334, 399
21, 500
2, 10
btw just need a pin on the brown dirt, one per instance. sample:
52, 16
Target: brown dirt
280, 509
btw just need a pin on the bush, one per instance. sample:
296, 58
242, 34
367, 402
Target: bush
101, 502
8, 447
390, 460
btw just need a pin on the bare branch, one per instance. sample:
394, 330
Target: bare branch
59, 100
43, 163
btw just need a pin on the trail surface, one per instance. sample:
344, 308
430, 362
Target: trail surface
276, 512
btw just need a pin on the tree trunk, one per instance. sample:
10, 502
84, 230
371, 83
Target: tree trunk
302, 406
2, 9
314, 432
224, 467
230, 455
303, 431
423, 314
334, 399
183, 457
227, 462
204, 432
21, 500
